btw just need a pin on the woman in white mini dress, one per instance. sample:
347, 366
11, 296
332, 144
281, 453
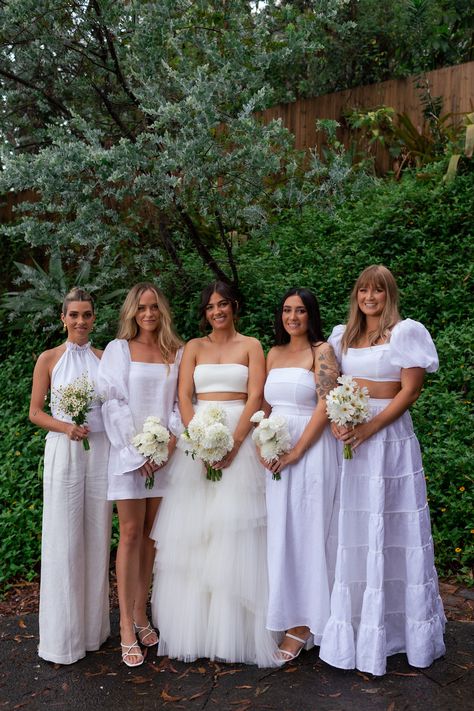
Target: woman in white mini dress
74, 592
302, 504
210, 592
385, 598
138, 378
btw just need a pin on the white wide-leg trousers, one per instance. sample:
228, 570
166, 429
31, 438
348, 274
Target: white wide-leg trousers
74, 591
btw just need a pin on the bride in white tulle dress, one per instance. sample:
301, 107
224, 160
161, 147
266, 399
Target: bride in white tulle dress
210, 590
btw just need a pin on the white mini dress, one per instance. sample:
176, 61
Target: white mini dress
210, 589
385, 598
133, 391
302, 512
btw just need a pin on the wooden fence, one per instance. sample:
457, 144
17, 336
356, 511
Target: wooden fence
454, 84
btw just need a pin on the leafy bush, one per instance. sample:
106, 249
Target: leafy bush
418, 229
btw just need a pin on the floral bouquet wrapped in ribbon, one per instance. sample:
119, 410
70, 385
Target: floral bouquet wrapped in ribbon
271, 437
348, 405
75, 401
152, 442
209, 438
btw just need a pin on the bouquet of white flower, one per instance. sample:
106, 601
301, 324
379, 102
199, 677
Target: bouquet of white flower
210, 438
152, 442
75, 400
271, 437
347, 405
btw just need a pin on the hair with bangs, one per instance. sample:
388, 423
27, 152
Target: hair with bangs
76, 294
377, 275
168, 340
227, 291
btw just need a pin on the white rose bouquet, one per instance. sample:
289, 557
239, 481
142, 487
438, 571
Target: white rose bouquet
152, 442
271, 437
348, 405
75, 400
209, 438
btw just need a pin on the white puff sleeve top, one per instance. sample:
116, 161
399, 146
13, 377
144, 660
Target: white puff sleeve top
410, 346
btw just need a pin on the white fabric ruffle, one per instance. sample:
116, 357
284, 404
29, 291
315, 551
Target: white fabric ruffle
385, 598
210, 589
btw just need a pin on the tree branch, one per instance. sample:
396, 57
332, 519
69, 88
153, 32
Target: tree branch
113, 54
114, 115
201, 248
24, 82
228, 247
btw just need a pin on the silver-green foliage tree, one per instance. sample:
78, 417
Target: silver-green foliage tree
136, 132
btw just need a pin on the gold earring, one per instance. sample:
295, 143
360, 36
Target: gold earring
64, 327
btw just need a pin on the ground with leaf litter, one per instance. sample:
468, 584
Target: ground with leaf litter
101, 681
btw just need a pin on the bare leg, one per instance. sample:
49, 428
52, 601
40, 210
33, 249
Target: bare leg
131, 514
147, 559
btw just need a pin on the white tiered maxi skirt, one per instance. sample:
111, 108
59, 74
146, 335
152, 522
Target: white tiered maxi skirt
385, 598
210, 589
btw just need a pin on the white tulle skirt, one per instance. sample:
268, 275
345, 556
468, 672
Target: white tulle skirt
210, 588
385, 598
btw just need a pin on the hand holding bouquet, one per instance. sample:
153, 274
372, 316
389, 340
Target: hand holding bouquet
75, 400
271, 437
209, 438
152, 442
347, 405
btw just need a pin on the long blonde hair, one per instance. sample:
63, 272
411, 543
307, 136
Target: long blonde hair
377, 275
168, 340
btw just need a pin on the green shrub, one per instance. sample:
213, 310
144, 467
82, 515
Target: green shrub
420, 229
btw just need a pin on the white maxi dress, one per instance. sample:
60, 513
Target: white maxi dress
133, 391
302, 512
385, 598
210, 589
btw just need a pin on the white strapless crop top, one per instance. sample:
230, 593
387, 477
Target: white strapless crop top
221, 378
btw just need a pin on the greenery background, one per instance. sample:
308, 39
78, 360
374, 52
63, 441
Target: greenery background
132, 134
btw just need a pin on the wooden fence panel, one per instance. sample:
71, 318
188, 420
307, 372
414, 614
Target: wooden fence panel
454, 84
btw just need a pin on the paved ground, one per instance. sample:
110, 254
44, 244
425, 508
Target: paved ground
101, 681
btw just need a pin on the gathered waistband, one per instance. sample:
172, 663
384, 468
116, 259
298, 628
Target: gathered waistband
223, 403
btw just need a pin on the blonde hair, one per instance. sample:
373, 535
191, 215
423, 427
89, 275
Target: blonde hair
168, 340
377, 275
76, 294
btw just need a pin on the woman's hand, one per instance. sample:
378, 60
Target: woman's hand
76, 433
357, 434
148, 468
284, 461
229, 457
338, 430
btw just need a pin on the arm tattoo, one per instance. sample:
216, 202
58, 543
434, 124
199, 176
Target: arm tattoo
326, 378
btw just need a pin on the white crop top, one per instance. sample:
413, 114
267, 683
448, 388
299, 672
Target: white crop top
221, 378
410, 346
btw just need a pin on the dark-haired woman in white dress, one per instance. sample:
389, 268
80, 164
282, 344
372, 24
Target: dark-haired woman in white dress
302, 504
211, 588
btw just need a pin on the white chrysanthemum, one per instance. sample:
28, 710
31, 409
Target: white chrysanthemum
257, 416
272, 437
212, 413
152, 442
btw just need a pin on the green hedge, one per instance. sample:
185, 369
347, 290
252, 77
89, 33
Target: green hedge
422, 230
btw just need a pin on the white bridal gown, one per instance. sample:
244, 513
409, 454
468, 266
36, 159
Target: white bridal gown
385, 598
302, 512
210, 590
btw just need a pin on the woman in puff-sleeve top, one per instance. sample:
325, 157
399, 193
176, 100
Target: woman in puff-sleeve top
385, 598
